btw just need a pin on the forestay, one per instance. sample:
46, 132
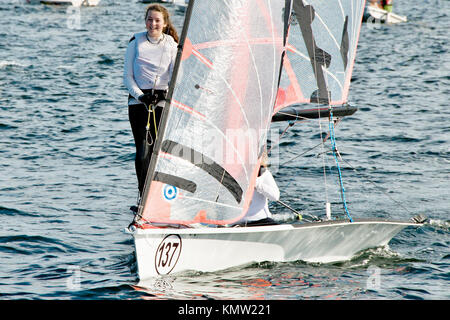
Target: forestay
214, 129
321, 50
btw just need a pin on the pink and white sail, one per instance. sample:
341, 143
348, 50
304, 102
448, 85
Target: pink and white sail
214, 129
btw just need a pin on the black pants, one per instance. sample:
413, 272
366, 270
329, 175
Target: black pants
143, 139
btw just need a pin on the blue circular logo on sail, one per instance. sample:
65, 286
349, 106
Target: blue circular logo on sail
170, 192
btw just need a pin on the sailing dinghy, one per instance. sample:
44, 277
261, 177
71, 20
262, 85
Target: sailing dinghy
240, 64
375, 14
74, 3
176, 2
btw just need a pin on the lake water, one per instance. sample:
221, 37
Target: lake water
68, 176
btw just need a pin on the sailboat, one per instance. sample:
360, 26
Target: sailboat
75, 3
176, 2
240, 66
375, 14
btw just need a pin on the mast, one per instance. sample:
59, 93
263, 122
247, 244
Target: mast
164, 115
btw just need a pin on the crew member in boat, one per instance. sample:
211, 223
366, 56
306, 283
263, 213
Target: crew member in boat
266, 189
148, 66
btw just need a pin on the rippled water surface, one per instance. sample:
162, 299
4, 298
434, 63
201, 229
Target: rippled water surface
68, 178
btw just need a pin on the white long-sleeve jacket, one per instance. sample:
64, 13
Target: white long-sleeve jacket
265, 189
148, 65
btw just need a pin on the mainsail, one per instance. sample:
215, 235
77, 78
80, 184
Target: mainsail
214, 126
320, 54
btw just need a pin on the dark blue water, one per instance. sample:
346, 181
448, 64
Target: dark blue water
67, 170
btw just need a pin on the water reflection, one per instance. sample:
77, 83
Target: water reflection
266, 281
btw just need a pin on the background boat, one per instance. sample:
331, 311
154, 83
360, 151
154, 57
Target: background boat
176, 2
374, 14
75, 3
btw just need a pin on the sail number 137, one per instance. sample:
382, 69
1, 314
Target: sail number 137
167, 254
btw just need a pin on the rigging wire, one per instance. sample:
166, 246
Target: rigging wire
348, 163
376, 186
334, 149
316, 67
305, 152
322, 144
290, 124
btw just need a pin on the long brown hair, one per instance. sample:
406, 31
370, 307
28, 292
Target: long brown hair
169, 29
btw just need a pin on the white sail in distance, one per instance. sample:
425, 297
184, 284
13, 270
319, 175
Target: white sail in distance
320, 54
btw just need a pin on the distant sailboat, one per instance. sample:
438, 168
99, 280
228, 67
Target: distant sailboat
240, 63
177, 2
374, 14
75, 3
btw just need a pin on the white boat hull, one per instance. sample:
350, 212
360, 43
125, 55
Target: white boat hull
177, 2
164, 251
374, 14
75, 3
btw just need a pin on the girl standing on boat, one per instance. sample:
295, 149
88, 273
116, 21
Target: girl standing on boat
148, 66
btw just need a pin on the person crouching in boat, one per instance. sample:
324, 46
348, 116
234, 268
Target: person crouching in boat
148, 66
265, 189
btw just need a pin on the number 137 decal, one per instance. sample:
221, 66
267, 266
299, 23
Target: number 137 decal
167, 254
